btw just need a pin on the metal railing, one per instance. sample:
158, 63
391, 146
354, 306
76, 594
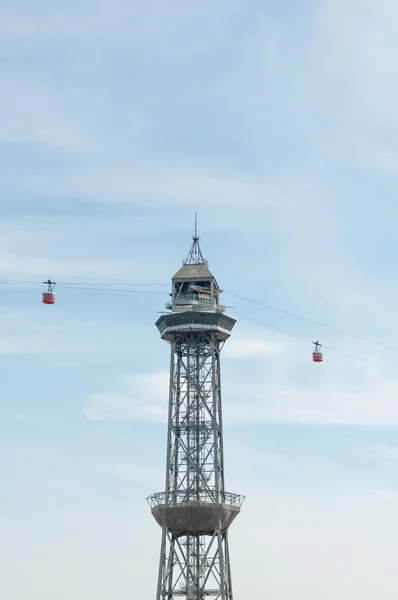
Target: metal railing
195, 306
207, 592
175, 498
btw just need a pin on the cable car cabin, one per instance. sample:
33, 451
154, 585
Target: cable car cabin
317, 355
49, 298
49, 295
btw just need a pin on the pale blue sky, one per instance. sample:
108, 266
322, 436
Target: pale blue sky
277, 122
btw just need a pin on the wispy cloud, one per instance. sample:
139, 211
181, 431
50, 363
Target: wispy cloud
288, 388
138, 473
325, 404
142, 397
12, 418
384, 451
250, 349
274, 397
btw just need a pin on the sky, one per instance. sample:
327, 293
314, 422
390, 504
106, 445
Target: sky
277, 123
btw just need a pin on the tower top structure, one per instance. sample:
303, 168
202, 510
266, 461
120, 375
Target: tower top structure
194, 286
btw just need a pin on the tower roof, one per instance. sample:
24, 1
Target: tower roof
194, 271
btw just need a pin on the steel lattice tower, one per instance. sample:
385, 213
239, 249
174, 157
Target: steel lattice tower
195, 511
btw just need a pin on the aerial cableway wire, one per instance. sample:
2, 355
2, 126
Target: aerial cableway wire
84, 286
85, 283
87, 287
111, 291
319, 323
303, 339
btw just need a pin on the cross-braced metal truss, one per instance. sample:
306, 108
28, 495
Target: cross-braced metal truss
195, 463
194, 567
195, 511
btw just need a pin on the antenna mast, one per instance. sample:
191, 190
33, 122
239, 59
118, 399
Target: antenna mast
195, 256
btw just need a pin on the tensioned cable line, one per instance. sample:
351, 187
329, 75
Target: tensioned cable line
108, 290
108, 283
303, 339
296, 316
87, 287
122, 291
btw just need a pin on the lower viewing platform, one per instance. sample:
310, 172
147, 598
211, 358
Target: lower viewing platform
182, 515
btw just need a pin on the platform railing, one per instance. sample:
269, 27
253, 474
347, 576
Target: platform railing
195, 307
175, 498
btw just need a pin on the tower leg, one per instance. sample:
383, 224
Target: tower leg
228, 565
162, 564
194, 567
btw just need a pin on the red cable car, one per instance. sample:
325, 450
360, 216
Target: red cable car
317, 355
49, 295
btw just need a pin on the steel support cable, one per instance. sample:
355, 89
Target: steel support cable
85, 287
303, 339
107, 365
111, 291
109, 283
308, 320
91, 289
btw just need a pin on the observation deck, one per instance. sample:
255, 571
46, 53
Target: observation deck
181, 516
191, 320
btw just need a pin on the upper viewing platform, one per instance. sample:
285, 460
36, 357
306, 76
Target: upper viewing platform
194, 287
